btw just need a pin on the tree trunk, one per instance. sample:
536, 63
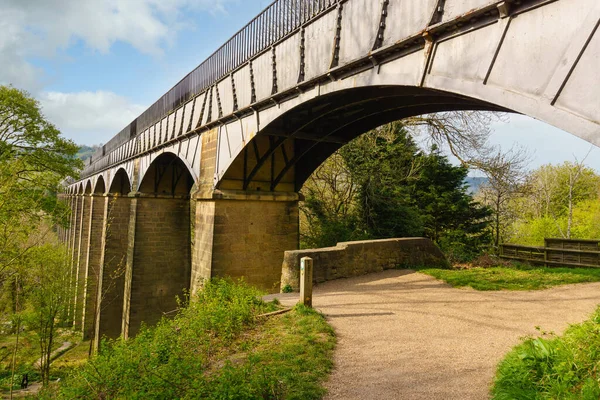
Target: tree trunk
497, 223
14, 357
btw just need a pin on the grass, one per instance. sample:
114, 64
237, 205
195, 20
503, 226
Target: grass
28, 353
566, 367
517, 277
219, 347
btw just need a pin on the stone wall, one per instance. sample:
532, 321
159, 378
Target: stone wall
244, 236
358, 258
113, 273
93, 264
161, 259
83, 247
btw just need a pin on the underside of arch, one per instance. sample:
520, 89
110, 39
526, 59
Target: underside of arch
120, 183
286, 151
100, 187
167, 175
88, 187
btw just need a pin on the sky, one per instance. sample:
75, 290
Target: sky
96, 65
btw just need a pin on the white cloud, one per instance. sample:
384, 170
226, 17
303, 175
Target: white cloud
40, 28
89, 117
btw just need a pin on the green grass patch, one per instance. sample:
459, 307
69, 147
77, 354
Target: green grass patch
28, 352
566, 367
219, 347
517, 277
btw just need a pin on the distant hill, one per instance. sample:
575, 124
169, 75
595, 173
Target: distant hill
86, 152
474, 183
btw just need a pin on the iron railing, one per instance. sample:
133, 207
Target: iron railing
277, 21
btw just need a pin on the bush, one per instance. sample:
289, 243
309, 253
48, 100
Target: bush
564, 367
209, 351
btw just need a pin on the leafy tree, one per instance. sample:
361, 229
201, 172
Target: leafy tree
384, 163
381, 185
34, 159
450, 216
329, 215
49, 292
505, 172
554, 194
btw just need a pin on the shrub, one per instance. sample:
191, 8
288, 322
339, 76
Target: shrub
564, 367
213, 349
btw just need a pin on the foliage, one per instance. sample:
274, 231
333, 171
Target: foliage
28, 352
381, 185
553, 368
450, 216
555, 204
216, 348
549, 189
384, 163
505, 172
517, 277
48, 295
86, 152
34, 159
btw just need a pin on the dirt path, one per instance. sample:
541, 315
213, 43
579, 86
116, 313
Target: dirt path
64, 347
405, 335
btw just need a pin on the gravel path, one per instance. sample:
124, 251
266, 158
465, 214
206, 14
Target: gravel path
406, 335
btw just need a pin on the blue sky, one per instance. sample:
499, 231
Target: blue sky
95, 65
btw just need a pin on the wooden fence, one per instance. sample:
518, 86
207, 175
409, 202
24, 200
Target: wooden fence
556, 252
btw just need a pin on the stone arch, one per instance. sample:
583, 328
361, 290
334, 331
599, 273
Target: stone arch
100, 186
120, 183
161, 269
112, 280
88, 187
167, 175
295, 143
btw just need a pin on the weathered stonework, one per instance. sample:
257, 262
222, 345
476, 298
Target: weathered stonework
93, 263
161, 259
82, 260
244, 235
362, 257
112, 282
73, 238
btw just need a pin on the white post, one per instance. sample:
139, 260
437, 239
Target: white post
306, 275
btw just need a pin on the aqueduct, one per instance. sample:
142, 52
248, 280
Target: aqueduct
206, 182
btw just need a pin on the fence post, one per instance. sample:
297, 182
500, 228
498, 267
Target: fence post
306, 281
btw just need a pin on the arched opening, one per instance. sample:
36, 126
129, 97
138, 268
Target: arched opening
100, 187
83, 254
88, 187
112, 284
167, 176
94, 263
287, 150
120, 183
162, 253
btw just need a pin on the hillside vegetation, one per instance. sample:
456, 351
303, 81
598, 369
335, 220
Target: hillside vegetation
86, 152
216, 348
